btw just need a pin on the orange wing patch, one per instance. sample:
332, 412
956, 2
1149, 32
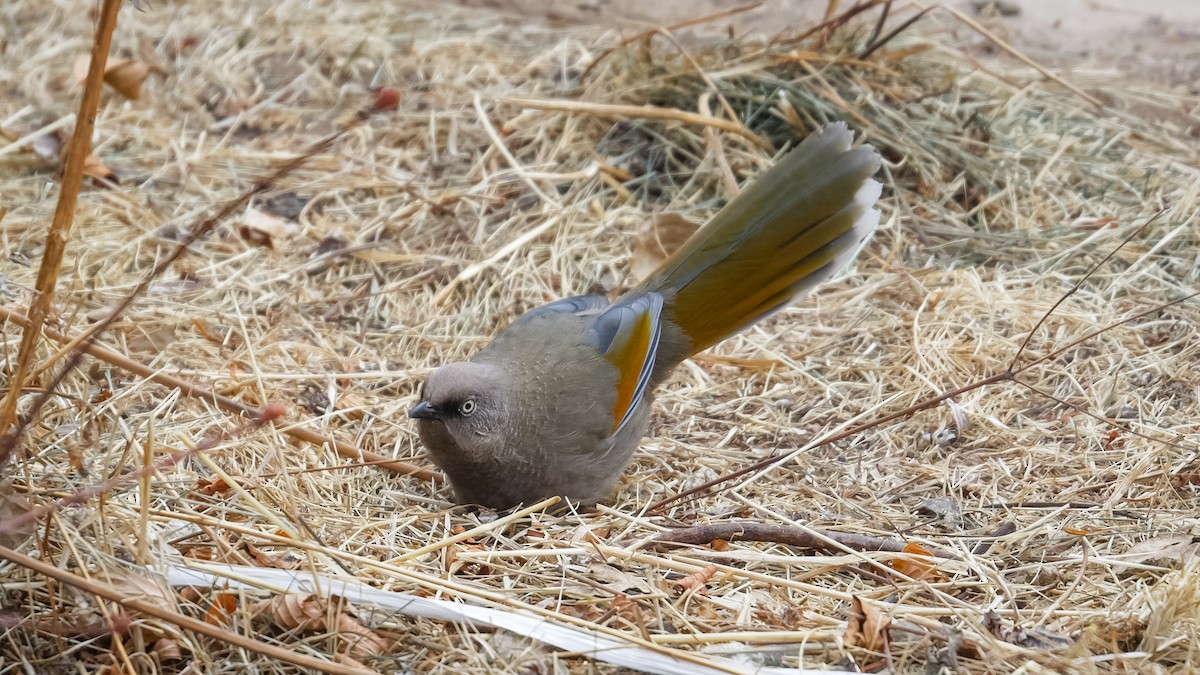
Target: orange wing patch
634, 343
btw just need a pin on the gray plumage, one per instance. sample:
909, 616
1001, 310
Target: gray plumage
557, 403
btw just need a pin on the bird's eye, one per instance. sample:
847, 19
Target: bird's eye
467, 407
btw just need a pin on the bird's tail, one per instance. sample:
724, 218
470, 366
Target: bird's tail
792, 228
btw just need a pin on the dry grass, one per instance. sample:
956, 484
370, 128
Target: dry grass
995, 184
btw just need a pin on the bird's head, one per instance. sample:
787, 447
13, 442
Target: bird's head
462, 416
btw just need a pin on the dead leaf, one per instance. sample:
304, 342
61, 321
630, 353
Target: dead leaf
293, 611
917, 564
167, 649
591, 534
151, 590
263, 229
386, 98
326, 253
1164, 550
941, 507
214, 487
307, 613
127, 77
617, 580
658, 240
221, 610
697, 580
13, 504
123, 75
94, 168
627, 609
362, 641
1033, 638
351, 405
866, 626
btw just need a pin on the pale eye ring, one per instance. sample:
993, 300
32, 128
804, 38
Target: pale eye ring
467, 407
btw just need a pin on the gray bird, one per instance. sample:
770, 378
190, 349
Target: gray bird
557, 403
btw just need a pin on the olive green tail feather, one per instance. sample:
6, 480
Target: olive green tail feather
792, 228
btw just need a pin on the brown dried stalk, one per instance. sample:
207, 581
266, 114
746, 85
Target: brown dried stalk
175, 618
1008, 375
800, 537
187, 388
875, 46
11, 439
975, 25
64, 217
264, 415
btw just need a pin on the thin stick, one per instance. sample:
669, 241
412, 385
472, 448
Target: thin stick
977, 27
617, 111
831, 23
175, 618
508, 249
833, 438
1105, 329
883, 17
785, 534
64, 216
264, 415
194, 390
11, 439
1007, 375
1079, 284
876, 46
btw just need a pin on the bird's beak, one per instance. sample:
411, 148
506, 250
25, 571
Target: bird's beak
423, 411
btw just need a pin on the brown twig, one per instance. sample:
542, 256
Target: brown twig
264, 415
831, 23
832, 438
175, 618
64, 217
1079, 284
876, 46
194, 390
800, 537
10, 440
1006, 376
1088, 336
879, 23
975, 25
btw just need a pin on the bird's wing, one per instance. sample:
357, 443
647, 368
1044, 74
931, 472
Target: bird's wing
627, 335
579, 305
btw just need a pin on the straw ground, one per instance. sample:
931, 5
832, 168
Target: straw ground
1068, 500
